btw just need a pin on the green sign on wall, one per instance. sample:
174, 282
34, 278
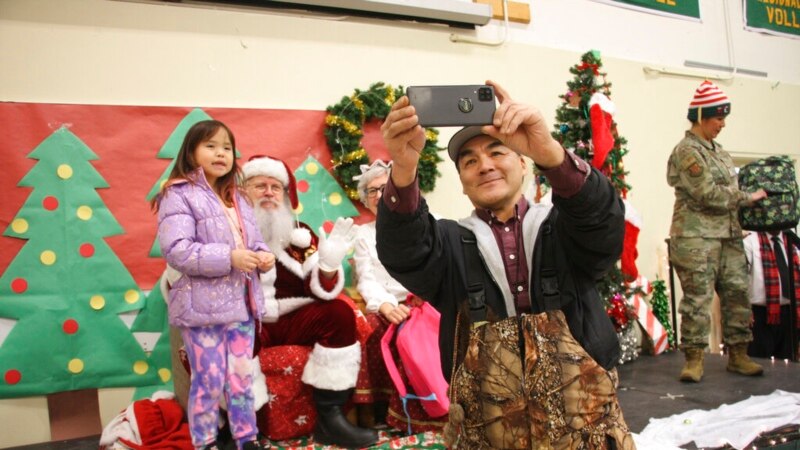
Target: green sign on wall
680, 8
780, 17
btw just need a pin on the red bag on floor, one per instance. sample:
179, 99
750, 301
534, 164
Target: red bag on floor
157, 423
290, 411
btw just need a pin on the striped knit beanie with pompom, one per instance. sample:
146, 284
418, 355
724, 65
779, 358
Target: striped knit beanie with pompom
708, 101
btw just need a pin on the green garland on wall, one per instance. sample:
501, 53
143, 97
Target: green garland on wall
344, 130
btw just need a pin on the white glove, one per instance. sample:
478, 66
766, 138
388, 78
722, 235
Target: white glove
331, 249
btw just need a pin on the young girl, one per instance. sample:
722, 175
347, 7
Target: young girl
208, 234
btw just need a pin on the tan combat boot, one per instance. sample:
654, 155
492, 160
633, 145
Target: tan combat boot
739, 362
693, 369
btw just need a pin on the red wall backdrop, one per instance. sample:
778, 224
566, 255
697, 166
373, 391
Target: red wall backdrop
126, 140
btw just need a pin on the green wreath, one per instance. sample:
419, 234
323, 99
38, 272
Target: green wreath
344, 130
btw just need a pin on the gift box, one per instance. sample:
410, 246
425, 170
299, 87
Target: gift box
289, 411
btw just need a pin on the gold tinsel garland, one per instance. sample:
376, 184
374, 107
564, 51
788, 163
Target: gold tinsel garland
344, 130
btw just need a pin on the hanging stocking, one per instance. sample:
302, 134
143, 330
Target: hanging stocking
633, 223
601, 110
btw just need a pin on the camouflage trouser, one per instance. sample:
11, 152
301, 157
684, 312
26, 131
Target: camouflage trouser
703, 266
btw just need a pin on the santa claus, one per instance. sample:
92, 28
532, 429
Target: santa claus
301, 298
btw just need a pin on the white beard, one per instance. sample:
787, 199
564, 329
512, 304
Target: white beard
276, 225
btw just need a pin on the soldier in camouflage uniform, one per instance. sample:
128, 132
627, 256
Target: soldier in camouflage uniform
706, 239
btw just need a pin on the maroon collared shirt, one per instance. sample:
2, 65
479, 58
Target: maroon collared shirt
508, 235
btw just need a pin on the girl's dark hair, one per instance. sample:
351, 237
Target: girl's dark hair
185, 163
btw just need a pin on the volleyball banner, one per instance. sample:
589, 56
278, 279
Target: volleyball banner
776, 17
679, 9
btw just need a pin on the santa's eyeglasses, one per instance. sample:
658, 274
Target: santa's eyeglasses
275, 188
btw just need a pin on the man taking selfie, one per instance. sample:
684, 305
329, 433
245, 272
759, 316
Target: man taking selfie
524, 336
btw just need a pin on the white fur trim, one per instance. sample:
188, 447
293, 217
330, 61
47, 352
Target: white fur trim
301, 237
162, 395
292, 265
334, 369
268, 282
117, 428
274, 307
260, 392
311, 263
605, 103
267, 167
271, 311
167, 280
172, 275
632, 215
319, 291
163, 285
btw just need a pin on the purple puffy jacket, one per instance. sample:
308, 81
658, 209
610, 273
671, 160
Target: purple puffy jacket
196, 240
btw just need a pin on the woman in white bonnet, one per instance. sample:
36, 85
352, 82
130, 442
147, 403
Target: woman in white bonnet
386, 303
380, 291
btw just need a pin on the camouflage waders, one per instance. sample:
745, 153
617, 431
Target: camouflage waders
559, 398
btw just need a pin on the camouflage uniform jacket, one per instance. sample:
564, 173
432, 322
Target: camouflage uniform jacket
707, 195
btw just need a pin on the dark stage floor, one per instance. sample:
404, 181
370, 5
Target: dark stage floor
649, 387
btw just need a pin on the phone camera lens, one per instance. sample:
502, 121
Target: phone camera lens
485, 94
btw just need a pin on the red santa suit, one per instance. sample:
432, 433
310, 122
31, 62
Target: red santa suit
303, 307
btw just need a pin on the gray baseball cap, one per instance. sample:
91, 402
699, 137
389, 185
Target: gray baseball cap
460, 138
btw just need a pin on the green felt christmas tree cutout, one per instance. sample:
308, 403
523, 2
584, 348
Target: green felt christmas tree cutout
170, 150
321, 201
151, 329
64, 296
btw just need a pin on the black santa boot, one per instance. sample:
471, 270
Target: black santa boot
333, 373
332, 427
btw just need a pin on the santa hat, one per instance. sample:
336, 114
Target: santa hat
601, 110
708, 101
273, 168
154, 423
